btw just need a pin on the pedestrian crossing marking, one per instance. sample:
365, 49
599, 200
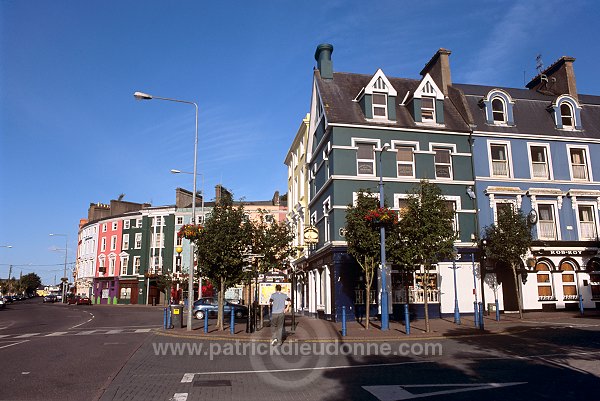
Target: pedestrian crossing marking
27, 335
188, 378
179, 397
114, 331
400, 392
58, 333
85, 333
142, 331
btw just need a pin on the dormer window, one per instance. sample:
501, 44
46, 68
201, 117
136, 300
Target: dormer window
498, 111
427, 109
428, 103
567, 113
379, 105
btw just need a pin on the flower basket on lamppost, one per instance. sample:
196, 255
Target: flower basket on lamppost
190, 231
382, 216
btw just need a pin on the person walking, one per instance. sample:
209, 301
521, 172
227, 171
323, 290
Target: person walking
280, 304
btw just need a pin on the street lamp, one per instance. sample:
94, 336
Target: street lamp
64, 284
145, 96
5, 246
174, 171
384, 293
454, 267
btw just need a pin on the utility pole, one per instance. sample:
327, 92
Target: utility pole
9, 274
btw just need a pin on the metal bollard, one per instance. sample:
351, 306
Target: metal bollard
406, 319
165, 318
481, 306
581, 304
497, 311
232, 322
169, 318
476, 313
205, 321
343, 321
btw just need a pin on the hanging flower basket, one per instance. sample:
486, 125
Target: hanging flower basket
382, 216
190, 231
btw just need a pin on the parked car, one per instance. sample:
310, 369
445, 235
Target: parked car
211, 306
79, 300
50, 298
2, 304
7, 299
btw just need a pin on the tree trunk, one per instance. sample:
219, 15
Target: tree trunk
425, 296
518, 289
367, 302
221, 298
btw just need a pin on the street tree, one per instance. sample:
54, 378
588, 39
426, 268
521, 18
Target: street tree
363, 222
29, 283
272, 240
426, 234
221, 245
507, 243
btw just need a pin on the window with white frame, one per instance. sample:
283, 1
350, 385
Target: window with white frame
427, 109
125, 244
115, 225
124, 263
546, 226
158, 221
405, 161
401, 204
566, 116
501, 205
104, 227
452, 205
500, 159
103, 244
379, 105
157, 240
138, 222
586, 215
138, 240
179, 241
443, 162
579, 163
544, 282
365, 159
539, 158
113, 243
137, 263
179, 220
101, 265
326, 210
498, 110
568, 281
126, 224
111, 266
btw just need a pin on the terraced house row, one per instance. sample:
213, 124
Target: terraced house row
124, 247
487, 148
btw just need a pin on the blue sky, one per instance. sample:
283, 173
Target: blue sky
71, 132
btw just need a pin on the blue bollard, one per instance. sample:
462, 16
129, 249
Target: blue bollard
406, 319
481, 315
497, 311
343, 321
165, 318
581, 304
170, 318
205, 321
476, 314
232, 323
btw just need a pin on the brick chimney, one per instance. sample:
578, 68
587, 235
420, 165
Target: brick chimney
324, 63
558, 79
439, 69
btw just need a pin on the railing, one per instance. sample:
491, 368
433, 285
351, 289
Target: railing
359, 297
588, 230
416, 296
540, 170
570, 297
500, 168
546, 230
580, 172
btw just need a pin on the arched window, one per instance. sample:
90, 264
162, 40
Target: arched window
544, 282
568, 280
498, 110
566, 115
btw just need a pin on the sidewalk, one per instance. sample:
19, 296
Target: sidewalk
317, 330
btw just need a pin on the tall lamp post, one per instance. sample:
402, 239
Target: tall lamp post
174, 171
454, 267
64, 283
384, 292
145, 96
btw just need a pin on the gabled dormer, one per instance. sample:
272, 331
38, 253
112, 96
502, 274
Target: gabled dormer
378, 99
427, 104
566, 112
498, 107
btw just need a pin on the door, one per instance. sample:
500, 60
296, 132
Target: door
509, 291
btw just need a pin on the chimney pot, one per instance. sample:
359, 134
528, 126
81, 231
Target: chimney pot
324, 63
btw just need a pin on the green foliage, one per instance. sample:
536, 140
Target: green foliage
363, 240
30, 282
510, 239
163, 283
426, 232
273, 240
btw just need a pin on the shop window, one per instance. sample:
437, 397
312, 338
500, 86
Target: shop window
544, 282
569, 283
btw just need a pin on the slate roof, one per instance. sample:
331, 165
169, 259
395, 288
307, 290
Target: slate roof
338, 95
531, 113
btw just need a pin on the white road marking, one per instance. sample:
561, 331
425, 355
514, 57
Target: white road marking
188, 378
179, 397
399, 392
57, 333
114, 331
25, 373
87, 321
16, 343
142, 330
4, 335
27, 335
85, 333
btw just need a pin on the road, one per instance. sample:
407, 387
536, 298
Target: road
67, 352
57, 352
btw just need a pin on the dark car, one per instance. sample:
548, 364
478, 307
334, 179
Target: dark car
211, 306
51, 298
79, 300
7, 299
